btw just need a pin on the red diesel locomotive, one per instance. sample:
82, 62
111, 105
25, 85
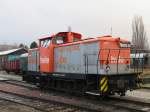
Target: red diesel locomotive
67, 62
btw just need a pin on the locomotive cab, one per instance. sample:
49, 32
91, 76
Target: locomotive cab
47, 45
66, 37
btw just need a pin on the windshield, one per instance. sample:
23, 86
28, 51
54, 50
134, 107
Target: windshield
45, 43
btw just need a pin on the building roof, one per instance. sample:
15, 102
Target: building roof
24, 55
9, 51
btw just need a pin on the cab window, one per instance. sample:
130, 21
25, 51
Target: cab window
75, 39
59, 40
125, 45
45, 43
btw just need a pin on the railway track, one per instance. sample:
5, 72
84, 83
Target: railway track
125, 104
21, 83
132, 105
85, 104
41, 104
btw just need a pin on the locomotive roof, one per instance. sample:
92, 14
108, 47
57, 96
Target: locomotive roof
24, 55
103, 38
64, 33
45, 37
61, 34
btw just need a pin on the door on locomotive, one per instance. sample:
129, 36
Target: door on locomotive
46, 55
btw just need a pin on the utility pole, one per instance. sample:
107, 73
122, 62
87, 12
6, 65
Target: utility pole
111, 31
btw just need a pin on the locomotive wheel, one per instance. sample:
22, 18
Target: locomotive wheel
16, 72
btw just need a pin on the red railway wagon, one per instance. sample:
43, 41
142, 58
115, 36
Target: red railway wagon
13, 66
10, 60
70, 63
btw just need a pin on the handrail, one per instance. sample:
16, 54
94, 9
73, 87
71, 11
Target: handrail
136, 66
118, 60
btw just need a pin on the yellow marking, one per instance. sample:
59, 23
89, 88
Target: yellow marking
106, 88
103, 86
103, 79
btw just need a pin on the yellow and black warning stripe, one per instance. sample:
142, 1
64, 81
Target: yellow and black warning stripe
103, 84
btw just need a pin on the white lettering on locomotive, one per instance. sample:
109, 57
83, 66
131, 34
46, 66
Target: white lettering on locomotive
44, 60
119, 59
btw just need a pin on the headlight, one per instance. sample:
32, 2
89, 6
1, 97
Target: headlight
107, 68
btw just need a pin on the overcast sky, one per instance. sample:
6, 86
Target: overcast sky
23, 21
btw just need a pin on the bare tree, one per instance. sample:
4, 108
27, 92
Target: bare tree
5, 46
33, 45
139, 38
21, 45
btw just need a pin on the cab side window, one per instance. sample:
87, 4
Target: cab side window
59, 40
76, 39
125, 45
45, 43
